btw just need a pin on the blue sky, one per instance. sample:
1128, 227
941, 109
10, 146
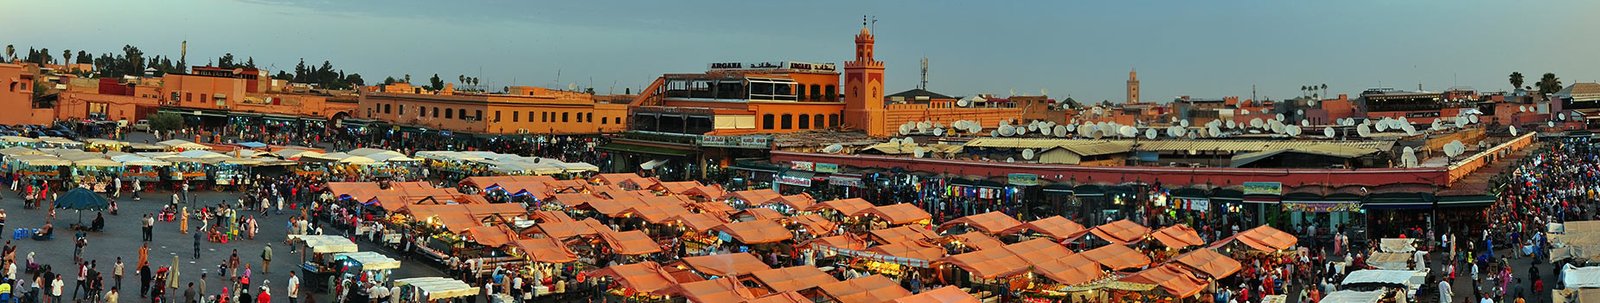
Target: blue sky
1081, 48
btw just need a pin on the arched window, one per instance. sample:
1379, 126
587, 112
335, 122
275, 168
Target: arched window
766, 121
816, 92
833, 120
805, 121
588, 117
788, 121
817, 120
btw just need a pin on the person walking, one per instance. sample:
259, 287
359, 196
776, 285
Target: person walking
266, 259
197, 237
136, 189
55, 289
144, 255
189, 294
292, 291
144, 279
116, 274
149, 227
83, 278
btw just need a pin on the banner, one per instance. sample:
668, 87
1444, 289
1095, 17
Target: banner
751, 141
1021, 179
845, 181
1322, 207
827, 168
1263, 188
795, 178
802, 165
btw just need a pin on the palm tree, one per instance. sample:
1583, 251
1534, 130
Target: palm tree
1302, 90
461, 79
1324, 89
1516, 80
408, 78
1549, 84
66, 56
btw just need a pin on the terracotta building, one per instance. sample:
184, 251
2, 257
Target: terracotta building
16, 96
521, 110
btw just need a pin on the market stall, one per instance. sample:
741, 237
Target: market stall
137, 167
362, 269
316, 257
433, 289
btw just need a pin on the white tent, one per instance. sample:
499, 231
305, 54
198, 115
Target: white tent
137, 160
1580, 277
357, 160
370, 260
183, 144
200, 154
294, 153
96, 163
437, 288
324, 244
1351, 296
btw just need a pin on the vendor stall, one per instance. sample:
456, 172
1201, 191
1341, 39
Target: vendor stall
360, 270
432, 289
316, 256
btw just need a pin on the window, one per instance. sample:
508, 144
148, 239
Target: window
387, 108
402, 109
436, 112
816, 93
461, 113
833, 120
564, 116
175, 96
188, 97
817, 121
788, 121
202, 98
588, 117
530, 116
448, 114
497, 116
603, 120
477, 115
766, 121
422, 111
514, 115
805, 121
832, 94
544, 116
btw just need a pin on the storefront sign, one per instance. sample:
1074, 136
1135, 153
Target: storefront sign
802, 165
802, 179
1322, 207
1195, 204
754, 141
827, 168
846, 181
1022, 179
1263, 188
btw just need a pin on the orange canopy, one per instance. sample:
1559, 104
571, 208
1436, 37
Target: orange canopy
699, 222
708, 192
795, 202
793, 278
676, 188
1178, 236
756, 232
453, 217
846, 241
947, 294
567, 186
753, 197
645, 277
1038, 250
726, 265
782, 297
843, 206
630, 243
491, 236
714, 207
569, 229
546, 250
721, 290
656, 211
1210, 263
903, 213
816, 225
639, 183
1055, 227
758, 213
1120, 232
871, 289
1266, 238
989, 263
359, 191
911, 249
1172, 278
1069, 270
613, 179
1117, 257
993, 222
902, 233
550, 216
976, 241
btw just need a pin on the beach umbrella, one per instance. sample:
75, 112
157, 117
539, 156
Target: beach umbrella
80, 199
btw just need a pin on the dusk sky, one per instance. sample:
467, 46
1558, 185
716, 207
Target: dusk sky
1081, 48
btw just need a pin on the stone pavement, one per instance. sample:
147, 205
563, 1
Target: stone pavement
122, 238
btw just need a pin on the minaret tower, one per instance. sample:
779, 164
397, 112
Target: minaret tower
863, 87
1133, 87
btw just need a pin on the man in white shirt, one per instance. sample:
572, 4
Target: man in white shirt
293, 289
1445, 293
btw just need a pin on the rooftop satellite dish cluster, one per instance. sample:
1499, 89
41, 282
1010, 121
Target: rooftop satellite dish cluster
1454, 148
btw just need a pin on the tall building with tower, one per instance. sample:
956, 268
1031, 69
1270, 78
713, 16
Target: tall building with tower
1133, 86
863, 88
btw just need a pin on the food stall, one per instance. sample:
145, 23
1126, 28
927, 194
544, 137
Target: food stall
226, 170
316, 257
18, 141
432, 289
39, 167
363, 268
59, 142
144, 169
103, 145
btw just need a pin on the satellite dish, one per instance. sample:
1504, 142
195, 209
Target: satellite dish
1550, 123
1408, 157
1473, 119
1027, 154
938, 132
1382, 127
1099, 111
1279, 116
1561, 116
1071, 127
1513, 130
833, 149
994, 133
922, 127
1363, 131
1183, 123
1454, 148
1011, 160
1305, 122
1007, 130
919, 152
1087, 129
1231, 124
964, 102
905, 130
1176, 132
1292, 130
1244, 112
1128, 131
1275, 126
1327, 132
1311, 103
1060, 131
1150, 133
1300, 112
1461, 121
1522, 108
1213, 132
1256, 122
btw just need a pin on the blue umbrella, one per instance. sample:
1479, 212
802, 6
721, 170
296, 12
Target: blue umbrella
81, 199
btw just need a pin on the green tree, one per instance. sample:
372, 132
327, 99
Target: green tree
66, 56
1516, 80
1549, 84
435, 83
389, 80
165, 121
1325, 90
85, 58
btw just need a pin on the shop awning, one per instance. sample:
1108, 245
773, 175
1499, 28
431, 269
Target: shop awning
438, 288
1055, 227
726, 265
793, 278
1089, 191
630, 243
844, 206
326, 244
369, 260
699, 222
794, 202
1208, 261
973, 240
1466, 201
846, 241
1117, 257
648, 150
1398, 201
993, 222
1120, 232
870, 289
813, 223
491, 236
545, 250
642, 277
1351, 296
1178, 236
711, 291
989, 263
947, 294
901, 234
1172, 278
569, 229
919, 250
756, 232
903, 213
750, 214
1266, 238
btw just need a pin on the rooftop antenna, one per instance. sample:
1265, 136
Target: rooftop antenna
1253, 92
558, 76
924, 85
874, 25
